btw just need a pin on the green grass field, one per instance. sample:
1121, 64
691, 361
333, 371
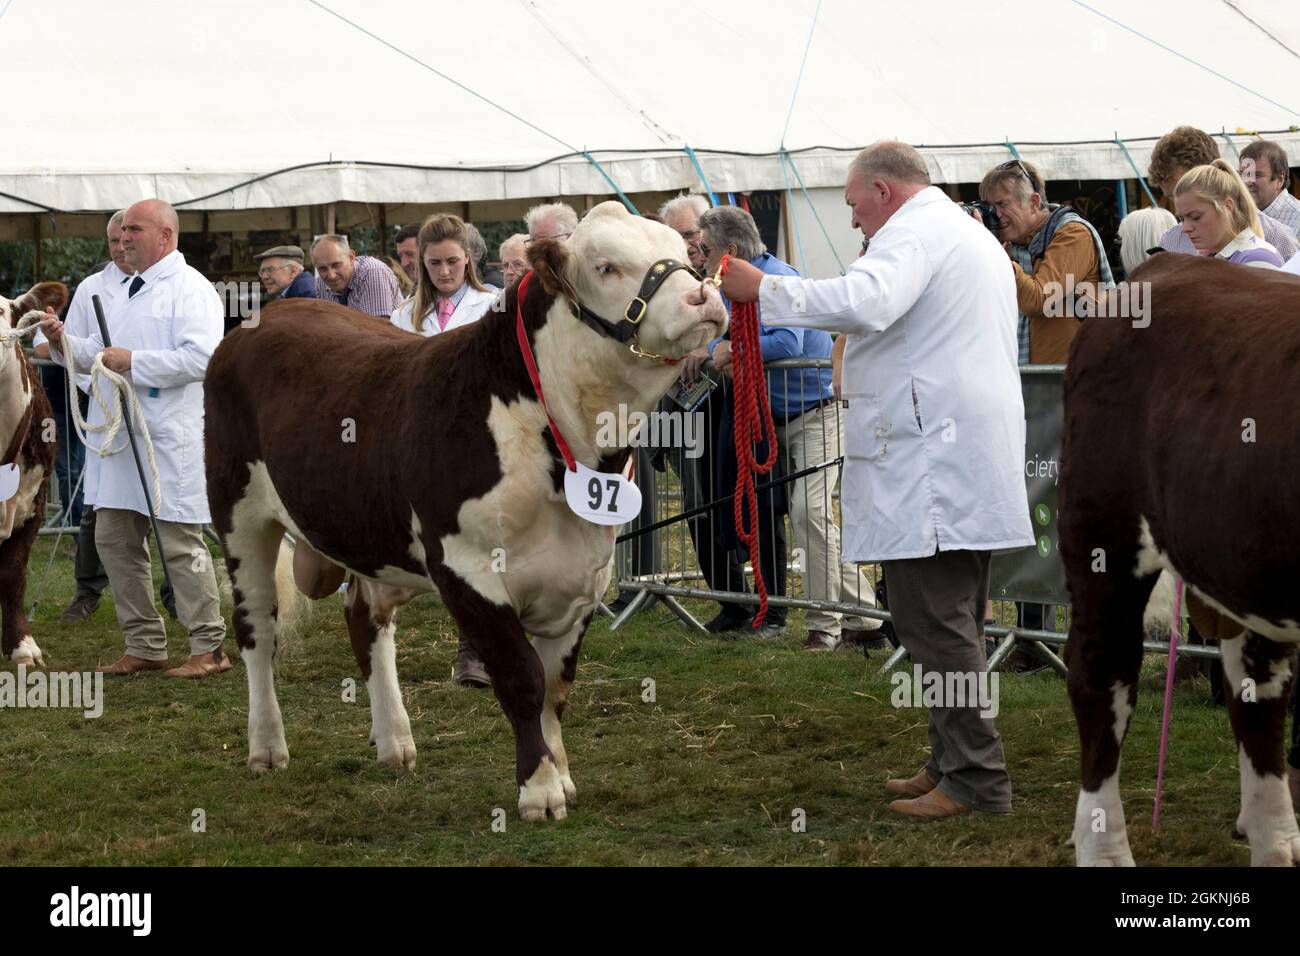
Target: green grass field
740, 735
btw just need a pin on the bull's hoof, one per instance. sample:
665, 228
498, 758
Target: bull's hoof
1094, 850
570, 791
270, 757
27, 653
542, 793
1283, 850
397, 752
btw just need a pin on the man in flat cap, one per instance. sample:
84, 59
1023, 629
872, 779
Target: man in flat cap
282, 274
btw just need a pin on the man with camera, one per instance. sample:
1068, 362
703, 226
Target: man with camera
933, 483
1054, 252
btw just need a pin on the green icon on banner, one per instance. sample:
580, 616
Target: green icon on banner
1044, 545
1043, 515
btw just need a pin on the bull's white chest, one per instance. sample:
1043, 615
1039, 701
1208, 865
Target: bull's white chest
520, 545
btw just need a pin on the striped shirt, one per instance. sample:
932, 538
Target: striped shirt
373, 288
1282, 239
1286, 210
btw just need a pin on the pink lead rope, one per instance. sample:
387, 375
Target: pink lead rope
1169, 699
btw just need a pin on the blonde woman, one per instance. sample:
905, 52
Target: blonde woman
449, 293
1220, 218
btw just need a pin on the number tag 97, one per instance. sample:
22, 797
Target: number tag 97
601, 497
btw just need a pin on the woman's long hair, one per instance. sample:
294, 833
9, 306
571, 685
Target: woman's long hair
1217, 181
438, 228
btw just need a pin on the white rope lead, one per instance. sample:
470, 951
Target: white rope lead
111, 405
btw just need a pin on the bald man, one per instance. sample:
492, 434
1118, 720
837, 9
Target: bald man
164, 329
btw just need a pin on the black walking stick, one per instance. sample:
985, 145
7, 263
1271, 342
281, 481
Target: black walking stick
169, 595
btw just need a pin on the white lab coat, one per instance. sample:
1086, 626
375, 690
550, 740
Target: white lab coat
935, 425
109, 283
472, 307
171, 327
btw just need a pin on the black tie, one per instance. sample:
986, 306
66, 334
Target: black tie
136, 284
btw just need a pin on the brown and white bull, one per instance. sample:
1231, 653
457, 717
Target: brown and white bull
30, 445
419, 463
1181, 451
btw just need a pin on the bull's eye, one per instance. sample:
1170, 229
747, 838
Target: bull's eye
605, 269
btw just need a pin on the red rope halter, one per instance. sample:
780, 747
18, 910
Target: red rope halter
752, 423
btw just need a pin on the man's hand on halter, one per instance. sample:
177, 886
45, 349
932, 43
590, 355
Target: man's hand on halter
117, 360
740, 282
53, 330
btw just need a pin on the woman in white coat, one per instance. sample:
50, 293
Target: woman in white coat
450, 293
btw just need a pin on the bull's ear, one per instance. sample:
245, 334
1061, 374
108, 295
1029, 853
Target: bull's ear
42, 296
550, 262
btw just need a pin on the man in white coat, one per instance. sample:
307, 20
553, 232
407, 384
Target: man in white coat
164, 330
935, 441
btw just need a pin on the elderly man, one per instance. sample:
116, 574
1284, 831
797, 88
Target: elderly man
682, 214
935, 440
1052, 249
1268, 177
554, 220
362, 282
164, 329
282, 274
810, 433
514, 257
109, 283
407, 242
1177, 152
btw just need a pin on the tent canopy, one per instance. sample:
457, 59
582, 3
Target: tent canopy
248, 104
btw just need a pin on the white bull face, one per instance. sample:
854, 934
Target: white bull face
606, 261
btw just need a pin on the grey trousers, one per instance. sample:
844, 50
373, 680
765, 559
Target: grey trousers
937, 606
122, 538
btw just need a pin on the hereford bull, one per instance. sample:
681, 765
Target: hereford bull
419, 463
31, 446
1181, 451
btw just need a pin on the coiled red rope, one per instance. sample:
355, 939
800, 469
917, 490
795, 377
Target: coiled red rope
752, 423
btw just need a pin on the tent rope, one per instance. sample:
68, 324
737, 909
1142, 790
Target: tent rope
816, 215
1140, 178
713, 197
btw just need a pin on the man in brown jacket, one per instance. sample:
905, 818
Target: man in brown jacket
1054, 252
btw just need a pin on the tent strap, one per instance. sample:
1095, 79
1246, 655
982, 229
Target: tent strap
713, 198
612, 185
795, 169
1136, 172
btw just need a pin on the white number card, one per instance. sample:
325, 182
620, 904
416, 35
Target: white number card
600, 497
9, 483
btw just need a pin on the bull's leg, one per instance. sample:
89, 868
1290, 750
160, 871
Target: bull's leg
1104, 654
518, 680
1259, 679
371, 612
251, 549
16, 639
559, 658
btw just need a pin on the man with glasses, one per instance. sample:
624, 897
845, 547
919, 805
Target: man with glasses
682, 215
552, 220
282, 275
361, 282
514, 257
1053, 251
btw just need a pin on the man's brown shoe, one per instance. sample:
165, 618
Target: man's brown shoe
918, 786
201, 665
935, 805
126, 664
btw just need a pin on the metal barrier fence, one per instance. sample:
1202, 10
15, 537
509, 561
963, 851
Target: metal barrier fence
67, 480
681, 545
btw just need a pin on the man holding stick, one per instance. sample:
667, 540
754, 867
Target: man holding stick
164, 331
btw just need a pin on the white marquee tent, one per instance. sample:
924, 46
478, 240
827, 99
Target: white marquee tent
262, 104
